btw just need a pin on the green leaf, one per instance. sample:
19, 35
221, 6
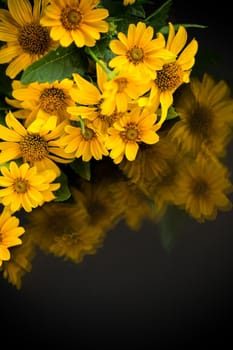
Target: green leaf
171, 114
102, 50
58, 64
159, 17
136, 11
63, 193
165, 29
81, 168
122, 16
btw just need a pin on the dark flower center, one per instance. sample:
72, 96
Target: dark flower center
52, 100
21, 185
131, 133
88, 134
34, 39
70, 17
135, 55
170, 77
33, 148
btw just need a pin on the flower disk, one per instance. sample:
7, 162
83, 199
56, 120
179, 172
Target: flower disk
131, 129
25, 187
26, 39
75, 21
139, 52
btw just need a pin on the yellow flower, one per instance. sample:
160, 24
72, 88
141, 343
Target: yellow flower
43, 99
26, 40
87, 96
75, 21
121, 90
203, 187
87, 143
104, 101
103, 121
173, 74
138, 52
25, 188
205, 108
134, 127
10, 231
37, 145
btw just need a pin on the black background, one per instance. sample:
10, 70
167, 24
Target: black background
133, 291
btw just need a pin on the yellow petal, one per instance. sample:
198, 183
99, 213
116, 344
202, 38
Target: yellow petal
4, 253
8, 53
179, 40
131, 150
21, 11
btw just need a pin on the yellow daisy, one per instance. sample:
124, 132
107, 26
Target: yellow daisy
25, 187
75, 21
139, 52
104, 101
89, 98
104, 121
87, 143
87, 95
43, 99
120, 91
36, 145
203, 188
173, 74
134, 127
26, 40
205, 108
10, 231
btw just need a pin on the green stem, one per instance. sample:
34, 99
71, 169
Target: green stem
108, 71
82, 125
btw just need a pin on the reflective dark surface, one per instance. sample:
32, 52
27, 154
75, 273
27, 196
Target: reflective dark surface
137, 288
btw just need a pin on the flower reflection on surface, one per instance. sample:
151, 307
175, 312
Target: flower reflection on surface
164, 174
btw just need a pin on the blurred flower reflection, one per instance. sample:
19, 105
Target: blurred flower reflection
186, 169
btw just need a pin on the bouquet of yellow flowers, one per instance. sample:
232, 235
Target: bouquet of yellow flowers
102, 120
